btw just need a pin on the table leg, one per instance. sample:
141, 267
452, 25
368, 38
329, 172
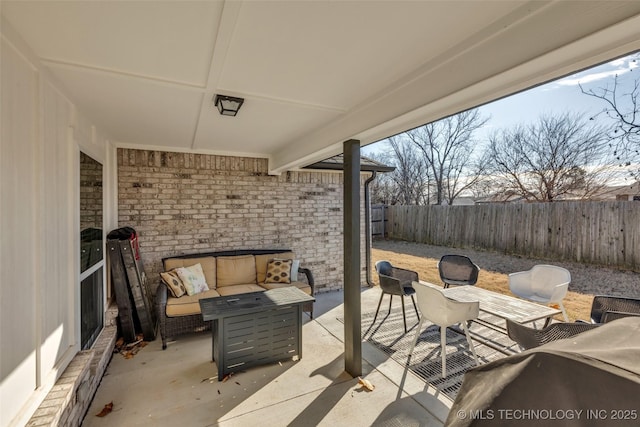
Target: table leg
299, 332
214, 324
216, 346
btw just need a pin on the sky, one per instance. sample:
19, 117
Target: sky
559, 96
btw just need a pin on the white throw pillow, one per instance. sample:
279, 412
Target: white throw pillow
193, 279
294, 270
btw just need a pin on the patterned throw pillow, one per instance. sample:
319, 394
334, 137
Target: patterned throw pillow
279, 271
293, 276
175, 285
193, 279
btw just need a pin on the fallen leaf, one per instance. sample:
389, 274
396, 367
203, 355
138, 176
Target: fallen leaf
106, 410
366, 384
133, 344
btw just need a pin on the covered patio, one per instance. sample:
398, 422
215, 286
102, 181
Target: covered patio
179, 385
133, 86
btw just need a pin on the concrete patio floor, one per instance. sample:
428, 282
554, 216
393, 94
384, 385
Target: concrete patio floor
178, 387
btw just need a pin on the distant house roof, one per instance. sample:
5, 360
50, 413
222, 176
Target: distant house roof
621, 190
501, 197
337, 163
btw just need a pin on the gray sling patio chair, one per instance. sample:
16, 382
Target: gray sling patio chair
607, 308
457, 270
527, 337
396, 281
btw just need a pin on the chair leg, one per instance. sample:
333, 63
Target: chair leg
415, 307
443, 348
404, 315
564, 312
473, 350
390, 299
377, 309
415, 339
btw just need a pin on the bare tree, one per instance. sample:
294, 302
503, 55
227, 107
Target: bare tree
410, 175
622, 108
448, 147
383, 189
407, 183
559, 156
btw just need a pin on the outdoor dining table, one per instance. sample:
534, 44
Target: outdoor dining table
502, 306
499, 307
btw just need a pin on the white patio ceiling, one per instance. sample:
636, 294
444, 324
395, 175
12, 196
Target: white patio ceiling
313, 73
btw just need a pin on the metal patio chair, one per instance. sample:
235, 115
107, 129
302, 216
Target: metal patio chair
396, 281
457, 270
527, 337
607, 308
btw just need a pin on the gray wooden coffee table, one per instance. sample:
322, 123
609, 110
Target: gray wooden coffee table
255, 328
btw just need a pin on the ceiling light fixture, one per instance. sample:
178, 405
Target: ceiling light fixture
228, 105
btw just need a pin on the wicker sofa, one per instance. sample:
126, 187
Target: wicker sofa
227, 273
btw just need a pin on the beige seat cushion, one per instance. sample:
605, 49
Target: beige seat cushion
186, 305
236, 270
208, 264
262, 260
300, 285
239, 289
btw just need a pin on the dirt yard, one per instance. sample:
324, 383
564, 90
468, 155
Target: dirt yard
586, 280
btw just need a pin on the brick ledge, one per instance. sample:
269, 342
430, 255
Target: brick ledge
68, 400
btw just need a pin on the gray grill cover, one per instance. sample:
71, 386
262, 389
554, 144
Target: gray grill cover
598, 370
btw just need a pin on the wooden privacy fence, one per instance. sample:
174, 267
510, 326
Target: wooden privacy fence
605, 233
379, 214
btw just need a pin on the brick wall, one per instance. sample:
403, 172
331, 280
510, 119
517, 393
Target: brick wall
186, 203
90, 192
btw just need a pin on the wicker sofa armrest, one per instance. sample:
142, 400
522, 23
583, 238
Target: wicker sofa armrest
309, 277
161, 310
161, 294
308, 307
